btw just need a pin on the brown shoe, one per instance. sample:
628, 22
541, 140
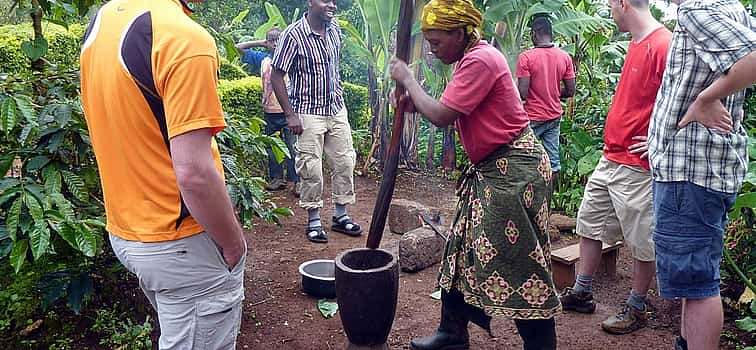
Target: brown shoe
578, 302
275, 185
626, 321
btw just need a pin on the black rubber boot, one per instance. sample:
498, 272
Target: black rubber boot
537, 334
452, 333
681, 343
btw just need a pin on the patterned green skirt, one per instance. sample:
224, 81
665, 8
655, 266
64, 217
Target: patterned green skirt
499, 253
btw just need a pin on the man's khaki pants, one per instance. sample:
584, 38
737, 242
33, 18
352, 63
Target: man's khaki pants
332, 135
197, 298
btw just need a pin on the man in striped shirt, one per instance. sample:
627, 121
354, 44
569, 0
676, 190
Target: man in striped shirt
698, 155
308, 51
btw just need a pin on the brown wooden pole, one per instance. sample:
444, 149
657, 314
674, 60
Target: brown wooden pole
386, 191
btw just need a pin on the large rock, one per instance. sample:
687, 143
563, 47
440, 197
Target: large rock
404, 214
419, 249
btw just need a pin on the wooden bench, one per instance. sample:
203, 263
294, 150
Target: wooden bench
563, 263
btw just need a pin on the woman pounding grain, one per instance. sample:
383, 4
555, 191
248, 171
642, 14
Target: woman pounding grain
497, 258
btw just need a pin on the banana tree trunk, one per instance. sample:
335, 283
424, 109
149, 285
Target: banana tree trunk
384, 135
409, 140
430, 151
373, 97
448, 153
412, 121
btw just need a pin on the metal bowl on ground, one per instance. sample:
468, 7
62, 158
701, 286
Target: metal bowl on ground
318, 278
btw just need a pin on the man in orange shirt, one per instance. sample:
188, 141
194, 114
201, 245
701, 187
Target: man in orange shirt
544, 76
148, 88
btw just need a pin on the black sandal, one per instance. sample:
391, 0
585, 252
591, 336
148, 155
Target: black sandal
345, 225
316, 234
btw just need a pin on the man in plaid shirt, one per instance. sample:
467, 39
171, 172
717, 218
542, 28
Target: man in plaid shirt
698, 156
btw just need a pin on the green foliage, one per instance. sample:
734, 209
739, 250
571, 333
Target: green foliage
275, 19
44, 129
230, 70
580, 150
218, 14
327, 308
65, 44
356, 101
243, 144
243, 148
352, 65
18, 297
740, 243
119, 331
243, 98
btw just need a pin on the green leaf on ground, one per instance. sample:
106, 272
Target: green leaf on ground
78, 290
436, 295
327, 308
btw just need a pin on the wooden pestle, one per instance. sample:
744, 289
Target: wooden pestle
386, 191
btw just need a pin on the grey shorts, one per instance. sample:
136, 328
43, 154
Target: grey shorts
197, 297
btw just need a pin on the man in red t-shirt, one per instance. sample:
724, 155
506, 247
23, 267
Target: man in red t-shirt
617, 201
544, 76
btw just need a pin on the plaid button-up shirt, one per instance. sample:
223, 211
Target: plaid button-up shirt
710, 37
312, 62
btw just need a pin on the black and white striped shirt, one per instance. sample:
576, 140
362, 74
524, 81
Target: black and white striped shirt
312, 62
710, 37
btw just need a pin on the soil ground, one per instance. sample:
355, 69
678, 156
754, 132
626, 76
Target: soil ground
277, 314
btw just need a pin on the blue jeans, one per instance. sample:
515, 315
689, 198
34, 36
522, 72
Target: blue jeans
548, 133
277, 122
688, 236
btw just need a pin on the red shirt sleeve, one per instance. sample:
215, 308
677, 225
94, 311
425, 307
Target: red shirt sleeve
569, 73
523, 66
468, 87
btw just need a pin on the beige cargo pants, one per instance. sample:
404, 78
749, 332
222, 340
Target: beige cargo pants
332, 135
197, 298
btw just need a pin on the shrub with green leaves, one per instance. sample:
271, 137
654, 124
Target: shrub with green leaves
243, 97
64, 45
230, 70
54, 204
243, 143
118, 331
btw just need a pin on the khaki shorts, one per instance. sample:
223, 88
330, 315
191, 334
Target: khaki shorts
197, 298
617, 206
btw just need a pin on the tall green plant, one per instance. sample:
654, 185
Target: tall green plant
54, 204
374, 41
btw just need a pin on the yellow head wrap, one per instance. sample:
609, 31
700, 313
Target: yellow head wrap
452, 14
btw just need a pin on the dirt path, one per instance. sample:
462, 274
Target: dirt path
277, 315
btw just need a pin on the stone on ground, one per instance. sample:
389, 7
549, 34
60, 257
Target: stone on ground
419, 249
403, 215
